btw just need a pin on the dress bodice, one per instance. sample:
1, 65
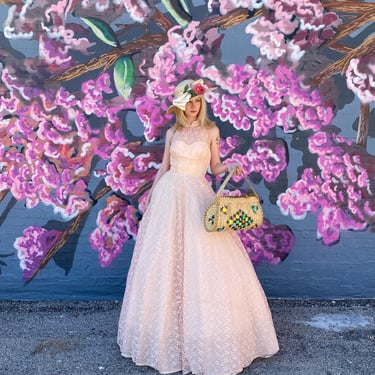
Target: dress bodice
190, 151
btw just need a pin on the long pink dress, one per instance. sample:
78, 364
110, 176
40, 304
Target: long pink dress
193, 302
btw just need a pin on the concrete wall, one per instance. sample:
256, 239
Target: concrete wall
302, 264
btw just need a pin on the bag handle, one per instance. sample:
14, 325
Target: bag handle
230, 174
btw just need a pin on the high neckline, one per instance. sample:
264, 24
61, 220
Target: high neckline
193, 124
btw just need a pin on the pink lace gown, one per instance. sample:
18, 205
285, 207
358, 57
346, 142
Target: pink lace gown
193, 302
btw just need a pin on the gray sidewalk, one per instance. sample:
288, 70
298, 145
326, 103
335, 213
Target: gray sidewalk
69, 338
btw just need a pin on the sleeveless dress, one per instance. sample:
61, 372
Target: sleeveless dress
192, 302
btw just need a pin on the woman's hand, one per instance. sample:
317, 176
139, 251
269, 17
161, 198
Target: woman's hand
236, 167
217, 167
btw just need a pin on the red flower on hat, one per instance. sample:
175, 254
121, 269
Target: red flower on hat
195, 88
198, 89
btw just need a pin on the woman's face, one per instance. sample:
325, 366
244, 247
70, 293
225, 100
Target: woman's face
193, 107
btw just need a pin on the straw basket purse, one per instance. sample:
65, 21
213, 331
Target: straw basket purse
233, 213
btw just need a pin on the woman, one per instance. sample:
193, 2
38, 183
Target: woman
193, 302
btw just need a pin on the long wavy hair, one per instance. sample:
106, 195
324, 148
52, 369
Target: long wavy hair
182, 121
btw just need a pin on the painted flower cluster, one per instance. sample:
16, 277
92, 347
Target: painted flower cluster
291, 27
50, 144
260, 100
360, 78
115, 224
270, 243
340, 195
33, 247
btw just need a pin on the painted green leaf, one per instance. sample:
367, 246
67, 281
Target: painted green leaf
179, 10
185, 6
102, 30
124, 75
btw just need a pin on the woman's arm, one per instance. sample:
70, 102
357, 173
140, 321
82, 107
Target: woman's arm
165, 164
217, 167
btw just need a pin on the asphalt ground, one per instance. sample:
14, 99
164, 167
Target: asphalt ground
78, 337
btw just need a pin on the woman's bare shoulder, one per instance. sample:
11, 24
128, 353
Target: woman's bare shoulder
213, 131
170, 132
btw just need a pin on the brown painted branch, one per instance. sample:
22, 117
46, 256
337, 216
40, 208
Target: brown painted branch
3, 194
161, 20
101, 193
348, 6
11, 2
125, 28
341, 48
143, 189
58, 245
341, 65
348, 28
66, 235
363, 126
107, 59
158, 17
231, 19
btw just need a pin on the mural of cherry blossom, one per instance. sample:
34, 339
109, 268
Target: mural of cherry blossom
83, 113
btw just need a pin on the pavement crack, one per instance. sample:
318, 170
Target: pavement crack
54, 346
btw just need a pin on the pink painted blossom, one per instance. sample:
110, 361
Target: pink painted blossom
115, 224
271, 43
58, 143
360, 78
229, 108
139, 10
144, 162
269, 243
236, 78
52, 52
172, 61
269, 158
264, 99
291, 28
331, 221
32, 248
226, 6
304, 196
152, 117
228, 144
339, 195
122, 175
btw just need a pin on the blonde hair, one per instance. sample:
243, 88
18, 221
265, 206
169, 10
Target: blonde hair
181, 120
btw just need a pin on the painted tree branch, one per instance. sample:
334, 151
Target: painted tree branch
66, 235
3, 194
232, 19
342, 64
351, 26
341, 48
348, 6
106, 60
363, 126
161, 20
11, 2
157, 17
367, 15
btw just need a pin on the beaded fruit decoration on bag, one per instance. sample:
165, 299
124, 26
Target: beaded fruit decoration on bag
233, 213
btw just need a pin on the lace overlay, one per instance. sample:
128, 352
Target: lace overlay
193, 302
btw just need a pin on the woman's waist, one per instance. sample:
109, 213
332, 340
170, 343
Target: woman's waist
188, 169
